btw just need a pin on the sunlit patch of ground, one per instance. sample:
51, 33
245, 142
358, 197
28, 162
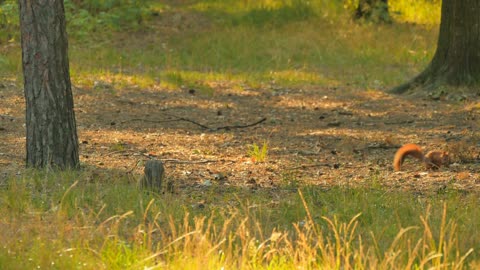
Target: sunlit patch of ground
325, 136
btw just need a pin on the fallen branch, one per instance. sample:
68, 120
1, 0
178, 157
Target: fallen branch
242, 126
163, 160
178, 161
193, 122
149, 121
119, 151
196, 123
304, 166
335, 166
379, 146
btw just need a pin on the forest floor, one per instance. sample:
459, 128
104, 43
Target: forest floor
327, 136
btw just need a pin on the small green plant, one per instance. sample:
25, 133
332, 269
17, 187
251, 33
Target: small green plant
118, 147
257, 154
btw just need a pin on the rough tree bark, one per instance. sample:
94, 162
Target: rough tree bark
154, 174
457, 59
50, 120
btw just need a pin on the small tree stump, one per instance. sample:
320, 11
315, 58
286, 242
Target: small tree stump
154, 173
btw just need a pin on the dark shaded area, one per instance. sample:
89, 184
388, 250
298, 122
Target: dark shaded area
373, 10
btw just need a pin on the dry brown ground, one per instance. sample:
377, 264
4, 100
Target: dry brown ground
324, 136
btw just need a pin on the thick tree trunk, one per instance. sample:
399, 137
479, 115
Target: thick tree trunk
457, 59
50, 119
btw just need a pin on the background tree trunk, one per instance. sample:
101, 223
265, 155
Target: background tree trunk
373, 10
50, 119
154, 175
457, 59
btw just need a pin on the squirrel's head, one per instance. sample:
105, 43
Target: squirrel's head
445, 158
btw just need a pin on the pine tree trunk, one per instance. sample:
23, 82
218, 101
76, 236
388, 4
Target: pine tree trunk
50, 119
457, 59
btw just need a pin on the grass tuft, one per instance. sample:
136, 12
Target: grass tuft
256, 153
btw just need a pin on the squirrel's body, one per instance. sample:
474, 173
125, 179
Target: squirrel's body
432, 160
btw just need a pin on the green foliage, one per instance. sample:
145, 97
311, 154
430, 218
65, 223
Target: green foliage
375, 11
85, 16
426, 12
276, 14
9, 20
256, 153
86, 20
96, 7
414, 11
328, 51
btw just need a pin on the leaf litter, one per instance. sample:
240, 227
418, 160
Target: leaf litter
324, 136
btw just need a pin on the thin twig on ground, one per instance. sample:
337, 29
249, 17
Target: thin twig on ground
189, 161
196, 123
309, 166
164, 160
241, 126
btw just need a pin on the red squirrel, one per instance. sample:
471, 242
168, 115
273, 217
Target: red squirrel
432, 160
